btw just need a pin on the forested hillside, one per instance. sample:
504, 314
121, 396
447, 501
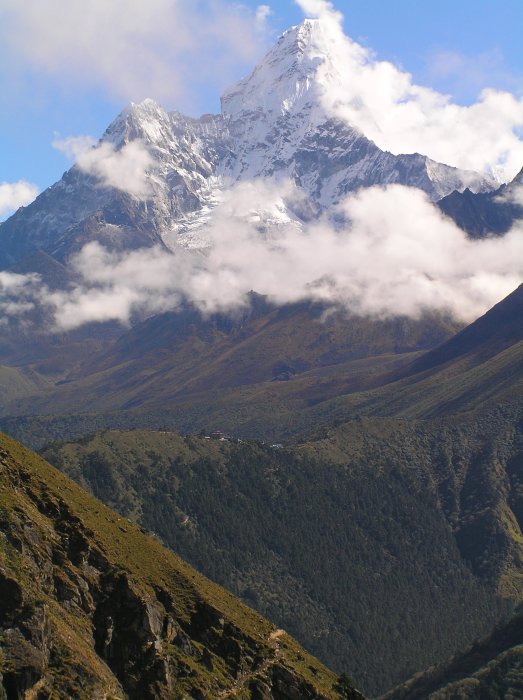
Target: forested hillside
491, 668
389, 544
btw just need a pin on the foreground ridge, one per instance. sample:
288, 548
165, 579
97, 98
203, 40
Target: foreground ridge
93, 607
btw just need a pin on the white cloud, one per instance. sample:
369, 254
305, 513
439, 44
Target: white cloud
263, 12
133, 49
117, 285
512, 195
16, 194
127, 168
18, 294
13, 283
402, 117
321, 9
396, 254
74, 146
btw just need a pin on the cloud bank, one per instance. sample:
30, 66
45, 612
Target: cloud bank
394, 254
402, 117
16, 194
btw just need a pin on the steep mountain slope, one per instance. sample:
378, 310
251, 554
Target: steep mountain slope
169, 357
52, 273
497, 330
491, 669
15, 382
217, 372
481, 367
273, 124
484, 213
384, 544
27, 340
91, 607
68, 215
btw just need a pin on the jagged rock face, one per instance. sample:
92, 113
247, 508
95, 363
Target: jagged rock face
486, 213
273, 124
90, 613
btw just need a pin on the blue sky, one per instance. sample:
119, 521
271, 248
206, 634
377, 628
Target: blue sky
54, 85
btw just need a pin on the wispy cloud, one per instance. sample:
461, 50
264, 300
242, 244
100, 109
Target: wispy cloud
466, 75
19, 295
402, 117
512, 195
74, 146
321, 9
16, 194
130, 48
263, 12
126, 168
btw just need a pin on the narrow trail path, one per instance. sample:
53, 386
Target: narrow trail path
241, 681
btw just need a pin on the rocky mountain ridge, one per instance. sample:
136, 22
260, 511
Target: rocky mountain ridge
486, 213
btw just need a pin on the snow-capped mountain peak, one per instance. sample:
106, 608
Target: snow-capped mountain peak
276, 124
145, 120
286, 80
283, 123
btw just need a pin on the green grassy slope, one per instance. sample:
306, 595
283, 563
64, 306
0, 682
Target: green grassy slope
16, 382
92, 607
